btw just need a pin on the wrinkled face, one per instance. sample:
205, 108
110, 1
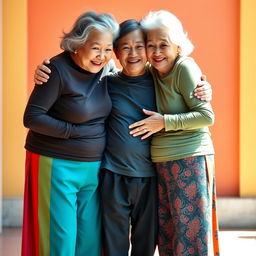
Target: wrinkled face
96, 52
161, 52
131, 53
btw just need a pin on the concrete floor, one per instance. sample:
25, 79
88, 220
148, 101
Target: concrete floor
232, 243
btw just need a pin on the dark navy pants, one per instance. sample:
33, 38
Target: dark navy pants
129, 214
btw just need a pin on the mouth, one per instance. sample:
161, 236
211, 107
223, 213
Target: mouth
133, 61
97, 63
158, 59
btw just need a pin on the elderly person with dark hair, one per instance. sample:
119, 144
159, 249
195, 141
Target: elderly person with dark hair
128, 186
181, 146
65, 143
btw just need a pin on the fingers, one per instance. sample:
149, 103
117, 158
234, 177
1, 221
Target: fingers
203, 90
139, 123
138, 131
146, 135
204, 96
43, 68
40, 76
142, 122
46, 61
147, 112
202, 85
37, 82
203, 78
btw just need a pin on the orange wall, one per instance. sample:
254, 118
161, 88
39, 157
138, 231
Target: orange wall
247, 99
213, 27
14, 94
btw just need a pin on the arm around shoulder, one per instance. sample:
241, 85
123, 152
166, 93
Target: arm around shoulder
199, 113
41, 100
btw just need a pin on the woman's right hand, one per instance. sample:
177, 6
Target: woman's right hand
40, 75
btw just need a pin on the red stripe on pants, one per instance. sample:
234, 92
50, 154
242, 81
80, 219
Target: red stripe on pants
30, 231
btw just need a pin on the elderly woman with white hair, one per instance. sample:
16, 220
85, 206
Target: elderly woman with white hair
65, 143
181, 147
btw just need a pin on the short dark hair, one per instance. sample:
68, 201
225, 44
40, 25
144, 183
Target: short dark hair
126, 27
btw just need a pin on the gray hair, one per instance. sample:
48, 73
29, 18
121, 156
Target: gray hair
177, 35
84, 24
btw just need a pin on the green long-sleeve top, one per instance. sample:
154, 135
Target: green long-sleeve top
186, 118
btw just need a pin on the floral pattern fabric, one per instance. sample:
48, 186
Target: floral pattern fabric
187, 207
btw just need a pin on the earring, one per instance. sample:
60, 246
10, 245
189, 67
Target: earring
75, 52
178, 51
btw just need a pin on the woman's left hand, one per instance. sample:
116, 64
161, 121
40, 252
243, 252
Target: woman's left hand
147, 126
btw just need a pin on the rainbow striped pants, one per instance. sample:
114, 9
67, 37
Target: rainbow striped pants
61, 208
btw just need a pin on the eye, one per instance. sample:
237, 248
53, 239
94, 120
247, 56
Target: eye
96, 48
163, 45
150, 46
140, 46
108, 50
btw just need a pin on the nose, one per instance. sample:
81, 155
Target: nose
157, 51
101, 54
132, 52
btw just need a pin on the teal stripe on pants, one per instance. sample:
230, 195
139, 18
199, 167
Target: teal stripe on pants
75, 223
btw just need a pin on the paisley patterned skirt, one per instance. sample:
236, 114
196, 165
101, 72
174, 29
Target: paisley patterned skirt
187, 207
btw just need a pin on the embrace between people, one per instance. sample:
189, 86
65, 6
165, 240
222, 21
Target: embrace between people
120, 157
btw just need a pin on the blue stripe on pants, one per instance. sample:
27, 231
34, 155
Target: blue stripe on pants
75, 222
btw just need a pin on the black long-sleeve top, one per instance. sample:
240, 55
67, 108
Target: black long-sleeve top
66, 116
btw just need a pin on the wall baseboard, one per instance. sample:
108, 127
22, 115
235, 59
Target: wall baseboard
236, 212
233, 212
12, 211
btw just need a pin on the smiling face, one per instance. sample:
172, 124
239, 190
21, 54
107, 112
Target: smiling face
161, 52
131, 53
96, 52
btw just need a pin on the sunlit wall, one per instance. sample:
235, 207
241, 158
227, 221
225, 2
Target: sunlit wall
31, 32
